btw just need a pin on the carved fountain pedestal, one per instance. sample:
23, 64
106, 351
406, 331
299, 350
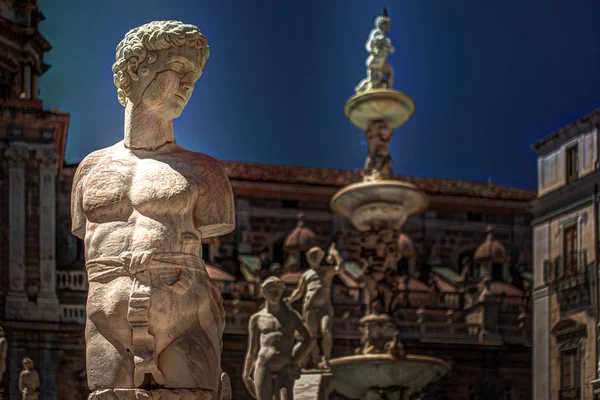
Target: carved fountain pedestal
379, 206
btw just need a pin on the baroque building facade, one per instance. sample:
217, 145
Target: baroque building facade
565, 254
446, 253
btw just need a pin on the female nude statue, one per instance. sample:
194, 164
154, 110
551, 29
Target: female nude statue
154, 318
272, 361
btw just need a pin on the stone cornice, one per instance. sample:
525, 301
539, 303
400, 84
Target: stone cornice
556, 139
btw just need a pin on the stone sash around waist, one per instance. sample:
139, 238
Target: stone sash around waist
174, 272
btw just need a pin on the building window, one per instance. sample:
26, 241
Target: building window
498, 272
15, 132
290, 204
572, 159
570, 251
47, 135
471, 392
475, 217
570, 373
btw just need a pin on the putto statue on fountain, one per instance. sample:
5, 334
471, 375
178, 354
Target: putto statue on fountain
380, 73
317, 310
378, 164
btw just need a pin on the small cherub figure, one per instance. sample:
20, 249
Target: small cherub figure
317, 310
29, 381
273, 359
378, 164
379, 47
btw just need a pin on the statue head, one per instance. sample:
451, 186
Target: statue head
28, 363
383, 22
273, 289
1, 332
157, 64
315, 256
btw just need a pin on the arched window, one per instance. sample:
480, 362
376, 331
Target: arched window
471, 392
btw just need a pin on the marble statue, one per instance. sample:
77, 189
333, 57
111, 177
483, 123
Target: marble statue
317, 310
273, 357
380, 73
379, 259
378, 164
3, 354
29, 381
154, 318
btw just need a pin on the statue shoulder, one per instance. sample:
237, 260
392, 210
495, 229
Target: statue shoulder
90, 161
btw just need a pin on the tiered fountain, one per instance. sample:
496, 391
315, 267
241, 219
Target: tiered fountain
378, 207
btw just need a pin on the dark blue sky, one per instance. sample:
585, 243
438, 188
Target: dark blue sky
489, 78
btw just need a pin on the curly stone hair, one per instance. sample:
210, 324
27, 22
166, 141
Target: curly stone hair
273, 281
142, 42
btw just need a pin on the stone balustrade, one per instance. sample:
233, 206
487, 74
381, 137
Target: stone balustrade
72, 313
72, 280
344, 328
237, 290
432, 331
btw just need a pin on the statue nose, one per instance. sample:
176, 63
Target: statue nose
187, 82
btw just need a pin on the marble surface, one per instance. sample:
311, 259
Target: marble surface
154, 318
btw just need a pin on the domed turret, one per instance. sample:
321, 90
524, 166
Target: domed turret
300, 238
490, 251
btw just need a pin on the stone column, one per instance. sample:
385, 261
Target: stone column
48, 168
242, 210
17, 157
35, 89
27, 81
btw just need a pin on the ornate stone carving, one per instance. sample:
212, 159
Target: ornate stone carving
273, 358
380, 73
317, 310
47, 157
29, 381
378, 164
380, 258
379, 335
154, 318
17, 155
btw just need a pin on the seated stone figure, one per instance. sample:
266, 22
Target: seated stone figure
154, 318
273, 357
317, 310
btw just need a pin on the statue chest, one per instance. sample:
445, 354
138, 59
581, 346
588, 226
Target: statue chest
145, 184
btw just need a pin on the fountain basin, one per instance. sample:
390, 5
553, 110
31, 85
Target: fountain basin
357, 375
374, 203
388, 105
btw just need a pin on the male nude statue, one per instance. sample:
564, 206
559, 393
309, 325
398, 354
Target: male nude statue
317, 310
29, 381
272, 361
379, 47
154, 318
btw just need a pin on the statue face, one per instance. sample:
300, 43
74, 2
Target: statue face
167, 83
273, 293
27, 364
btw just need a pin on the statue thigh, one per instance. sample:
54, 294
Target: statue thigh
108, 334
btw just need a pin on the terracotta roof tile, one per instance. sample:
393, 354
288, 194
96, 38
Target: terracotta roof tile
334, 177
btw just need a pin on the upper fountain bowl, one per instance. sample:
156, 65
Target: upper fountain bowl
391, 106
369, 204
